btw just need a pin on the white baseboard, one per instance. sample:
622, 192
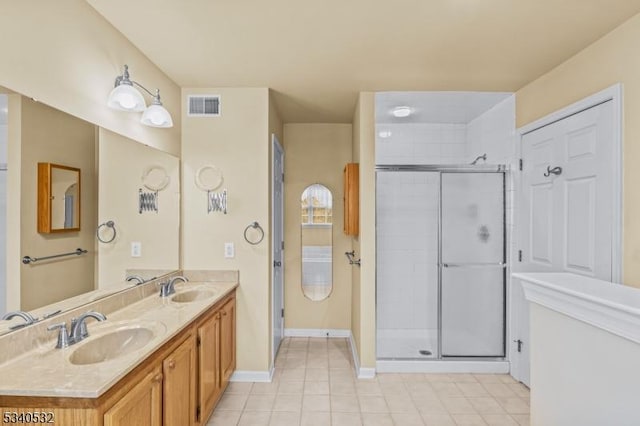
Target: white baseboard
316, 332
252, 376
361, 372
442, 366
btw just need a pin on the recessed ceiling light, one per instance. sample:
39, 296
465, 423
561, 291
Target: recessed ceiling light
384, 134
401, 111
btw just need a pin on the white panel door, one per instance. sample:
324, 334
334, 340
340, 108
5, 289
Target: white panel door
566, 217
277, 240
566, 209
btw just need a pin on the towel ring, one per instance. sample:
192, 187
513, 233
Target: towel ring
108, 224
254, 225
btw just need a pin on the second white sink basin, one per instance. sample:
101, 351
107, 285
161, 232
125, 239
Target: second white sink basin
111, 345
192, 296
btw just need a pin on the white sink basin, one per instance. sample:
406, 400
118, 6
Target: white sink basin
192, 296
111, 345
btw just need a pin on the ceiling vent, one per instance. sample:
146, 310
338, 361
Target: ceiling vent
203, 105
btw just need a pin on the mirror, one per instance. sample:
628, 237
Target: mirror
317, 242
96, 175
58, 198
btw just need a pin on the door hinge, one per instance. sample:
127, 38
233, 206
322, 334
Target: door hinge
198, 413
283, 245
519, 342
520, 164
198, 341
282, 312
283, 177
519, 255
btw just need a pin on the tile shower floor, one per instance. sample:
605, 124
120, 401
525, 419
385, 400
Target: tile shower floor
315, 384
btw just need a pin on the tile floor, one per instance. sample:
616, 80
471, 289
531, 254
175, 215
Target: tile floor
314, 385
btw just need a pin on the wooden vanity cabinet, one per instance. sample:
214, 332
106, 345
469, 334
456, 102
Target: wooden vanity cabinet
216, 355
142, 405
209, 383
228, 340
179, 385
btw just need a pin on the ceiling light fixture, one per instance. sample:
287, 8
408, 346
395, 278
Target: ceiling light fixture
401, 111
125, 97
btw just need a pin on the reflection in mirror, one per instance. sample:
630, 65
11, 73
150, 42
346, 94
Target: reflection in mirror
317, 242
110, 168
58, 198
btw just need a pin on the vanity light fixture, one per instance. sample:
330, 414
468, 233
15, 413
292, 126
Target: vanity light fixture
384, 134
125, 97
401, 111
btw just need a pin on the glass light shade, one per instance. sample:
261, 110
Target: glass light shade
156, 116
126, 98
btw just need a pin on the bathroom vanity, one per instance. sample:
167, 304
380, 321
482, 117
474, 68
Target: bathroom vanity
156, 361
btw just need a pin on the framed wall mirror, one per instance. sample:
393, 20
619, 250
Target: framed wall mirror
58, 198
317, 242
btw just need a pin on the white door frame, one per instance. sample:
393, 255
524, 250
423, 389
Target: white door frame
275, 145
614, 94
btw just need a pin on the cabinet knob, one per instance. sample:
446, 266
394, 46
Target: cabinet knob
172, 364
224, 313
157, 378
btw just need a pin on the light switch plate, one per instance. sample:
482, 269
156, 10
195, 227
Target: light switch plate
136, 249
229, 251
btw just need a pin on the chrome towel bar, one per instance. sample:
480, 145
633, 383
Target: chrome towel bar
28, 259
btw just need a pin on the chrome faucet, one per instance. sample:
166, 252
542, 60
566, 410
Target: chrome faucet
78, 330
26, 316
137, 278
168, 288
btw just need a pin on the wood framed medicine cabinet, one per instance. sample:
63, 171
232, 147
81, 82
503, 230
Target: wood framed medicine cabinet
58, 198
351, 199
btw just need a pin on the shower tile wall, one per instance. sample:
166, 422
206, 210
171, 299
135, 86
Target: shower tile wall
494, 133
422, 143
407, 290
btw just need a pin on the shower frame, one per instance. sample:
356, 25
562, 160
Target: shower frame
457, 168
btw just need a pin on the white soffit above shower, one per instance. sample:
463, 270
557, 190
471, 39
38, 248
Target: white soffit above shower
436, 107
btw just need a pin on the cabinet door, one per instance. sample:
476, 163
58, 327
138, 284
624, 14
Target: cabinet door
351, 199
228, 340
179, 393
142, 406
209, 387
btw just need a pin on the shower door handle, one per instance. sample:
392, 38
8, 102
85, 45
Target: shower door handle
472, 265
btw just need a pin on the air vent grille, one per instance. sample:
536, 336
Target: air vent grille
204, 105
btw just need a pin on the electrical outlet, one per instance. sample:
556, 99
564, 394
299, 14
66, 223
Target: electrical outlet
229, 251
136, 249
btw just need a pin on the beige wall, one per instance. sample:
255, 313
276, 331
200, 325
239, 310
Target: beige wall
316, 153
364, 279
238, 142
122, 162
70, 62
609, 60
51, 136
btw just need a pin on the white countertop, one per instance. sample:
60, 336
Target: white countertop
606, 305
46, 371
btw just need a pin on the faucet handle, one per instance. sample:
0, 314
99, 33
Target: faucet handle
63, 335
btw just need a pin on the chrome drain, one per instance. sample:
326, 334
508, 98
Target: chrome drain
424, 352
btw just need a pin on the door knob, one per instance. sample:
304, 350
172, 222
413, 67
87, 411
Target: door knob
553, 171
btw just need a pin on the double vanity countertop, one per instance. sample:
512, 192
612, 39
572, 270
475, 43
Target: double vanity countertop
46, 371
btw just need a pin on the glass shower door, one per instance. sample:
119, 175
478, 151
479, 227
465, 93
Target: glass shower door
472, 269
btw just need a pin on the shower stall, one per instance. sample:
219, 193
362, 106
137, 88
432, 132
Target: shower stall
441, 263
